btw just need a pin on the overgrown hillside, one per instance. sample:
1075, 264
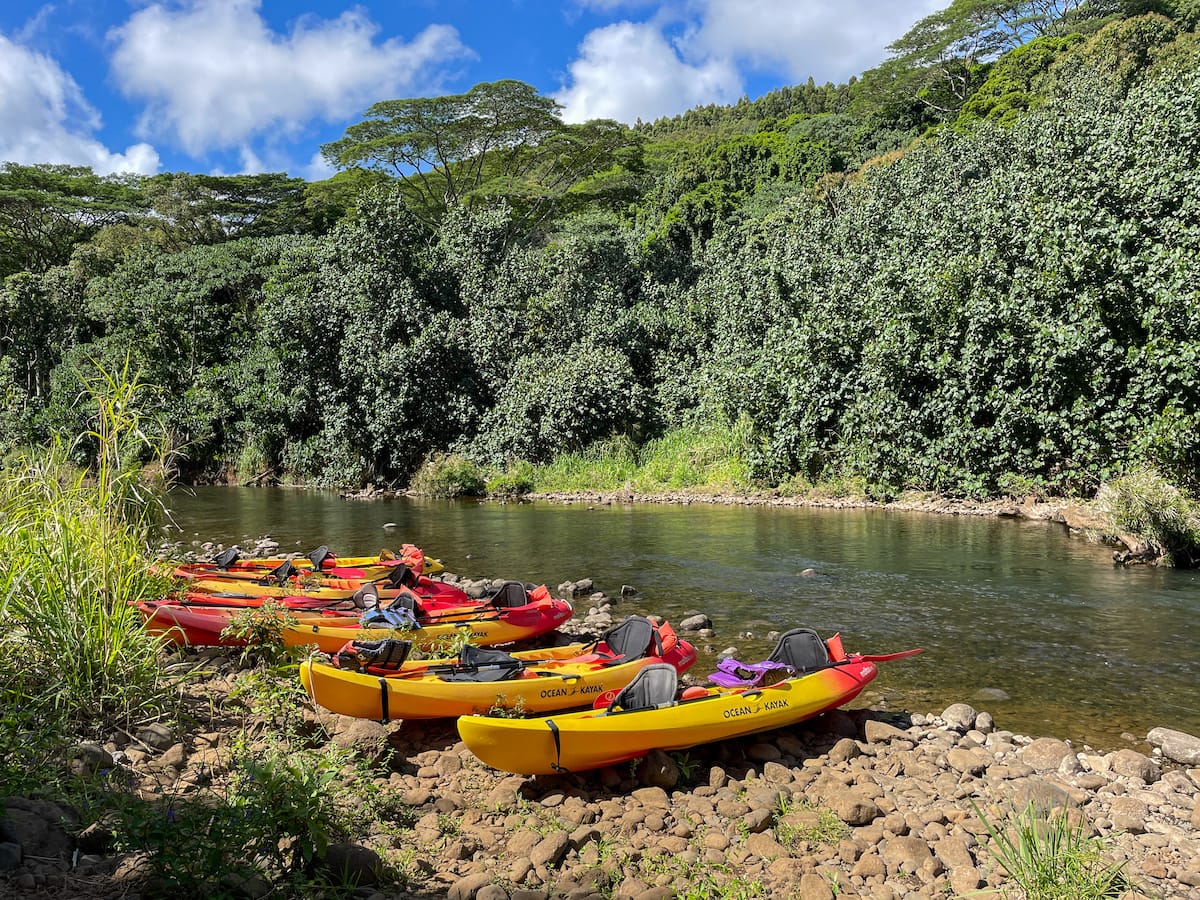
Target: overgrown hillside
972, 270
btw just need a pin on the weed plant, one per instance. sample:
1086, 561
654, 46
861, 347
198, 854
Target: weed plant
1051, 857
74, 563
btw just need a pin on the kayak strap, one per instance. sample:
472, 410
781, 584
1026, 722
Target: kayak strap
383, 700
557, 747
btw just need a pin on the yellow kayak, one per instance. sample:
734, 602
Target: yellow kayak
661, 719
482, 624
481, 680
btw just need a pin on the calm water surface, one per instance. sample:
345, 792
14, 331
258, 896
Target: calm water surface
1083, 650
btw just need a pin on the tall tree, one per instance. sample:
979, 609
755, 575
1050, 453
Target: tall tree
942, 59
498, 140
46, 210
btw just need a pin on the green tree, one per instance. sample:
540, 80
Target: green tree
46, 210
499, 139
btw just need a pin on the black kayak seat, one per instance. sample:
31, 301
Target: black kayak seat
318, 557
226, 558
802, 649
402, 576
484, 664
509, 595
278, 574
652, 687
632, 639
388, 653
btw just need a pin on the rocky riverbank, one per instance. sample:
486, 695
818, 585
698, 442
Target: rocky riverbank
856, 803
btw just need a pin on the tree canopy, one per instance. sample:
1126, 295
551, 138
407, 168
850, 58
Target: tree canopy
499, 140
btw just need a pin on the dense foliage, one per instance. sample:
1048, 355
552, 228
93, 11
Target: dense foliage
971, 270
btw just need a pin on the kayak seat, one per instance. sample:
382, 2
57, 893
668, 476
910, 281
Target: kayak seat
366, 597
652, 687
318, 557
484, 664
402, 576
802, 649
279, 574
226, 558
388, 654
632, 639
509, 595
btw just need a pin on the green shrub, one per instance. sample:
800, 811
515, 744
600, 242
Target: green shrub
1144, 504
515, 483
448, 476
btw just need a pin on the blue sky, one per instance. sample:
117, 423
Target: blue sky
227, 86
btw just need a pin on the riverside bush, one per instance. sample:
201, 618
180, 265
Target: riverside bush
1146, 505
447, 476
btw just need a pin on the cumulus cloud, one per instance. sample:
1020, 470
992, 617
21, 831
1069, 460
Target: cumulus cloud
626, 71
45, 118
213, 74
827, 41
632, 70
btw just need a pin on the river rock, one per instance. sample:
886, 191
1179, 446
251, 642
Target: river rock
352, 864
697, 622
1045, 754
1132, 764
959, 716
89, 760
1177, 746
1128, 814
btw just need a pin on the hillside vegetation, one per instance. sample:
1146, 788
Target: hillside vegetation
971, 270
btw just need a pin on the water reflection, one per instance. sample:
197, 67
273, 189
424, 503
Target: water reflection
1084, 650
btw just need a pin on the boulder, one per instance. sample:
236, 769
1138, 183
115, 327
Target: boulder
1177, 746
959, 716
1045, 754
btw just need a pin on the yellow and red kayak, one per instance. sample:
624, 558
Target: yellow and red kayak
320, 562
482, 624
535, 680
578, 741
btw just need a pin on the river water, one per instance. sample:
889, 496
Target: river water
1082, 649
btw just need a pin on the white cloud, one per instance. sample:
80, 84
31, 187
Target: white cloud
631, 70
213, 74
626, 71
828, 41
317, 169
45, 118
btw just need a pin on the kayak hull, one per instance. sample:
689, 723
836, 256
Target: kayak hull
329, 589
592, 739
483, 627
565, 679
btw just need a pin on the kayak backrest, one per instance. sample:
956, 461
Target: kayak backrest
509, 595
226, 558
484, 664
402, 576
652, 687
632, 639
280, 573
802, 649
318, 557
366, 597
389, 654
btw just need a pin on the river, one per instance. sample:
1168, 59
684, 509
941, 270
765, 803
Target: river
1082, 649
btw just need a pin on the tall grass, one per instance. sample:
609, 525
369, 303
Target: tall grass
74, 558
707, 458
1052, 857
1147, 506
